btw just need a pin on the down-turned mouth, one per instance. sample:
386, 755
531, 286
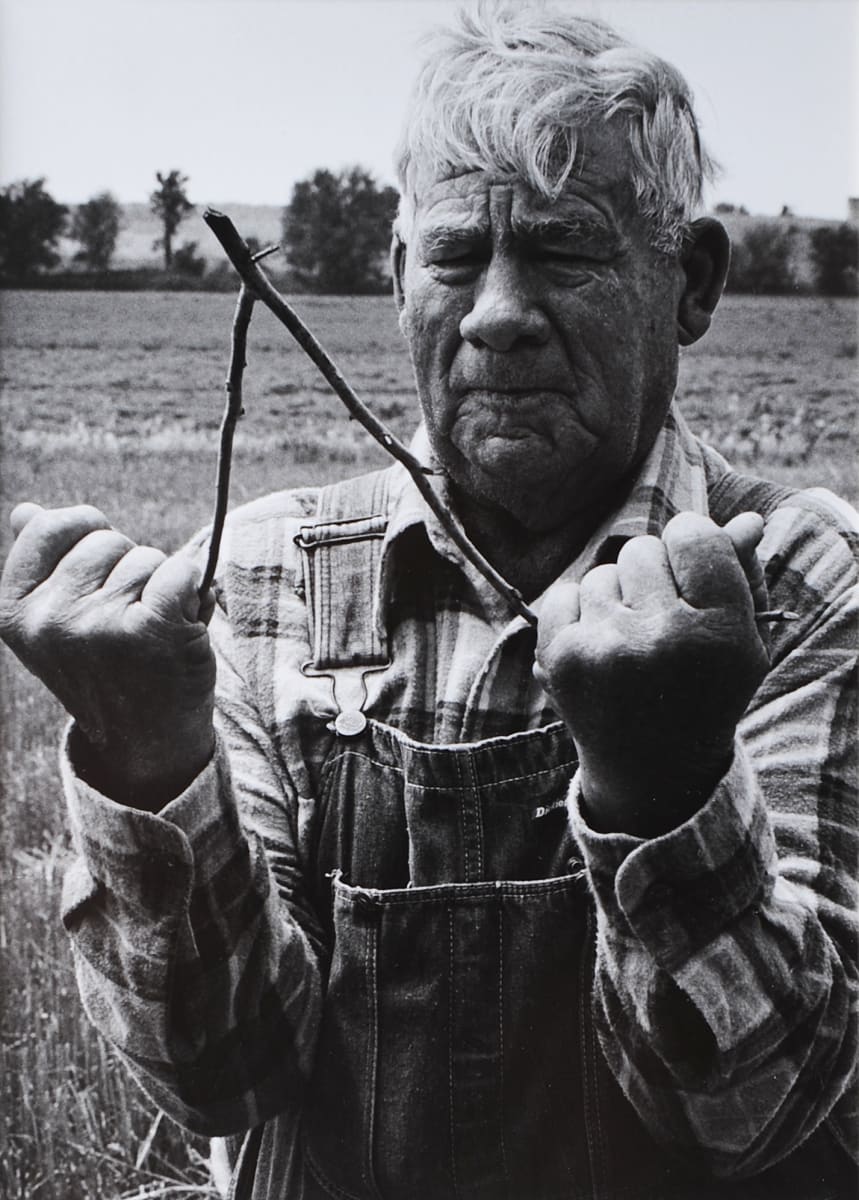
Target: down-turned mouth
514, 404
513, 394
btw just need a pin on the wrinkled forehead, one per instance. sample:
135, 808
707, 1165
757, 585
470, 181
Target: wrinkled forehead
600, 183
478, 198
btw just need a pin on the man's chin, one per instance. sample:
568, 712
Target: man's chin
534, 499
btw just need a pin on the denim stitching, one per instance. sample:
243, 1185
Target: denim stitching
586, 1038
510, 740
450, 1016
501, 1040
462, 892
372, 1051
463, 824
495, 783
368, 1052
478, 818
331, 762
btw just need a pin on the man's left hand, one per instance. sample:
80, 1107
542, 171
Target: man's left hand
651, 662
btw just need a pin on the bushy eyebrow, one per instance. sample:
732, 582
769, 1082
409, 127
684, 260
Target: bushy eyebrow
570, 229
439, 238
566, 229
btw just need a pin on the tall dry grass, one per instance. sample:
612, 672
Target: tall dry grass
73, 1124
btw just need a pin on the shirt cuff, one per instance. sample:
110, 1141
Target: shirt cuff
677, 892
156, 856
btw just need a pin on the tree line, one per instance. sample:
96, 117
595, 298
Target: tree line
336, 231
765, 259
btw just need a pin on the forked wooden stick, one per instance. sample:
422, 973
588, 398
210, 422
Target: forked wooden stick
256, 286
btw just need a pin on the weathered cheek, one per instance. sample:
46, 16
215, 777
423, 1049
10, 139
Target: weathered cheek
431, 324
417, 311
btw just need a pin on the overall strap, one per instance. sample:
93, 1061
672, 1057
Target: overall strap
731, 493
342, 558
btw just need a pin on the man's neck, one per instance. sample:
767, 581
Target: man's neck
529, 559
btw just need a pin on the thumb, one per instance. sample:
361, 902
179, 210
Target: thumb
560, 607
746, 531
22, 514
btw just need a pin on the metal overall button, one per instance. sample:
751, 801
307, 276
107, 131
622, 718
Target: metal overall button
350, 723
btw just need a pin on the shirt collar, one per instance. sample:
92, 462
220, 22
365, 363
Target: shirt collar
672, 479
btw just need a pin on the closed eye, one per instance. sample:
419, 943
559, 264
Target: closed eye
466, 254
562, 254
570, 269
575, 251
458, 263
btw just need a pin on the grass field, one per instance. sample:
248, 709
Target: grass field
115, 400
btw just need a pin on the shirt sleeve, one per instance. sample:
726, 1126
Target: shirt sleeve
726, 985
196, 953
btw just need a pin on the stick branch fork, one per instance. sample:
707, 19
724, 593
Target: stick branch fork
256, 286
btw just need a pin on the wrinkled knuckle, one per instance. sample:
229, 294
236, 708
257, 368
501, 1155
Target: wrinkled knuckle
60, 525
36, 625
663, 634
9, 621
45, 524
90, 625
153, 555
612, 649
104, 541
87, 514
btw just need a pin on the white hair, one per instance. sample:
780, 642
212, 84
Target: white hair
511, 87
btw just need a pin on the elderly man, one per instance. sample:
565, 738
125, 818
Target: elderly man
422, 919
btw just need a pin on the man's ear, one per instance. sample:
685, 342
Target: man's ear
705, 258
398, 268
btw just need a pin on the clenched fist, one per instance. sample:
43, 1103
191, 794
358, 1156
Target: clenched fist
651, 662
117, 632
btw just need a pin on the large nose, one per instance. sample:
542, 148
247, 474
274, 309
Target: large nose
504, 312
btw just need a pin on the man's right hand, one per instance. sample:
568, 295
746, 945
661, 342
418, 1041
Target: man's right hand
118, 633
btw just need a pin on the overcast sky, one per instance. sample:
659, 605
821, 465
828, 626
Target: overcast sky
247, 96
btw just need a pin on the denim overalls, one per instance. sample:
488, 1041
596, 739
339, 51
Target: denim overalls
457, 1057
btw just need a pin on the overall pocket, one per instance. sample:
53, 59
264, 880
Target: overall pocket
360, 827
449, 1060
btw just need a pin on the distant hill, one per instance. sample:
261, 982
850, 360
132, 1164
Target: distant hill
141, 228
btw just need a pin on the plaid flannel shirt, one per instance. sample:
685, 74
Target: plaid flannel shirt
200, 958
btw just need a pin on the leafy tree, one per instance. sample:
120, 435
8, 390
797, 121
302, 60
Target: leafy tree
31, 222
835, 253
96, 226
187, 261
171, 205
763, 261
337, 230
